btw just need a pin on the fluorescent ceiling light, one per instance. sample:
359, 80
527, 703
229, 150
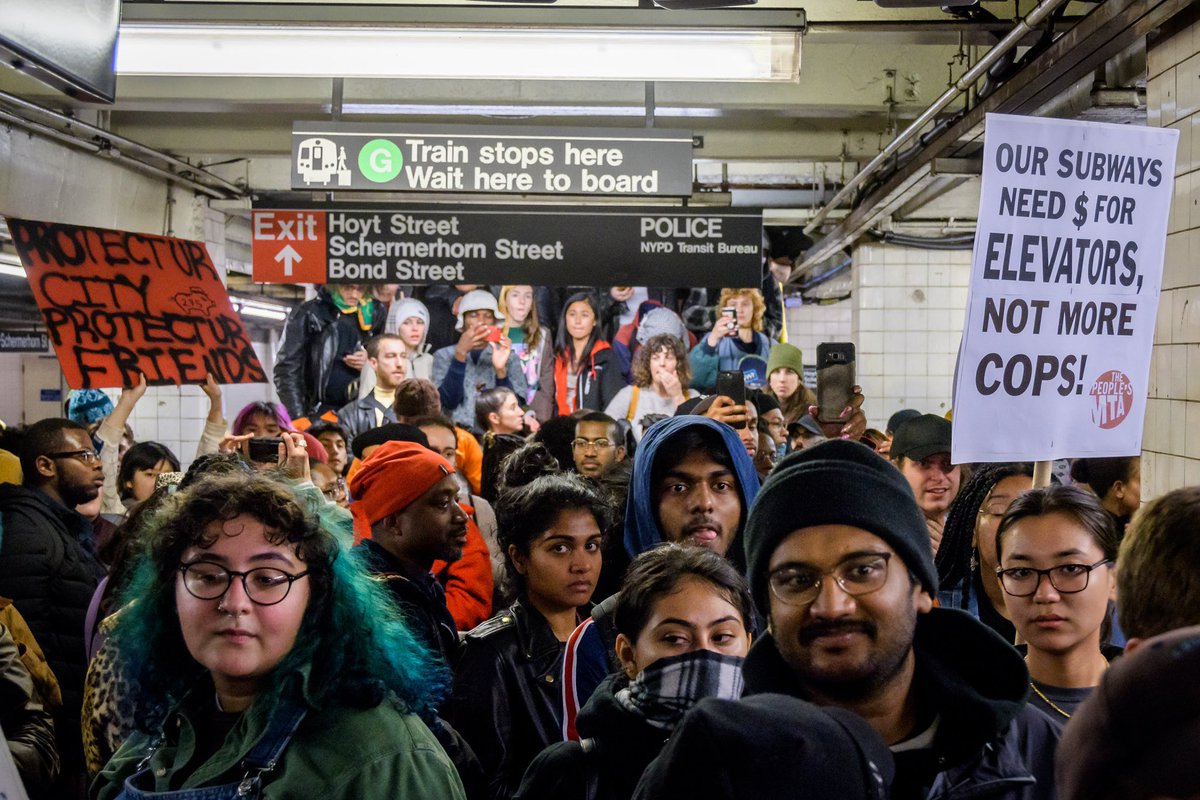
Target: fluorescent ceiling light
500, 53
521, 111
250, 308
11, 265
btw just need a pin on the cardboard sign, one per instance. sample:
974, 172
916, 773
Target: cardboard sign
491, 159
1055, 356
117, 304
538, 245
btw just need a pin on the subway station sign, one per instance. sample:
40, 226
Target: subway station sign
612, 162
546, 246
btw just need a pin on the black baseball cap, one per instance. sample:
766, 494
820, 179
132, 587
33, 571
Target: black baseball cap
921, 437
899, 418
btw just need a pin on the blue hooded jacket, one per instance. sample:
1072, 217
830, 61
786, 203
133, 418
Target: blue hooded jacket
589, 649
641, 523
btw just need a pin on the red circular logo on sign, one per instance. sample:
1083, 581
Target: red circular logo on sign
1112, 397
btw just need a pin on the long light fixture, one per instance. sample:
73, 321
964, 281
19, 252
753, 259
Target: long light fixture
503, 53
251, 308
11, 265
521, 111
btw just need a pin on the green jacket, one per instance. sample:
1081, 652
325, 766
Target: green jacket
337, 752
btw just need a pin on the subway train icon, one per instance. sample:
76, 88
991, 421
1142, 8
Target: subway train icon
318, 160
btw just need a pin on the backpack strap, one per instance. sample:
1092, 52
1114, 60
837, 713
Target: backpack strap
633, 401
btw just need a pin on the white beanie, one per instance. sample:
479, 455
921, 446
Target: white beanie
477, 300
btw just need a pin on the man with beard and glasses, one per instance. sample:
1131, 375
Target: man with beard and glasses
48, 564
838, 559
693, 483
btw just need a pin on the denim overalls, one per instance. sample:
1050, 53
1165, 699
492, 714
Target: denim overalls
260, 761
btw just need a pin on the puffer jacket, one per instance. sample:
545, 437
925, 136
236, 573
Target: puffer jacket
50, 574
309, 349
506, 701
989, 744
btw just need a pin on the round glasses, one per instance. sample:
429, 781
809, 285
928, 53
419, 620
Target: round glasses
1065, 578
798, 586
265, 586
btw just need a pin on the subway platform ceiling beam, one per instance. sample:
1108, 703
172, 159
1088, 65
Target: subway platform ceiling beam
1109, 30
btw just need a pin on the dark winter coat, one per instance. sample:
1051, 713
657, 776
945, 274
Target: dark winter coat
309, 350
423, 601
616, 747
48, 569
989, 743
507, 701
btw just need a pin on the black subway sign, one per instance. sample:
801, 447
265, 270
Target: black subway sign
491, 159
552, 246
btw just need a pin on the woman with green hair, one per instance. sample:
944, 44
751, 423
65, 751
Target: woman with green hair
267, 663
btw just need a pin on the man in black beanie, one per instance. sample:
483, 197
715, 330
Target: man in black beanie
839, 561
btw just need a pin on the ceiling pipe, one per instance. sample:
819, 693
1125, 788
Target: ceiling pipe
214, 186
968, 79
110, 154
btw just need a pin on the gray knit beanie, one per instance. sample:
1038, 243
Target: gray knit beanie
661, 320
838, 482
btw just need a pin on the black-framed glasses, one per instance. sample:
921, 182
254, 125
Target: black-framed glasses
589, 444
1065, 578
265, 586
859, 575
86, 456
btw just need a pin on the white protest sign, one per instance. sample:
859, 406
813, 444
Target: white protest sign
1055, 355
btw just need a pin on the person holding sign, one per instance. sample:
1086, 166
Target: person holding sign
921, 451
1057, 549
322, 350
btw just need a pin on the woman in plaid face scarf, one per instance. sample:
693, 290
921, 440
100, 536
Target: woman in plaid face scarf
683, 617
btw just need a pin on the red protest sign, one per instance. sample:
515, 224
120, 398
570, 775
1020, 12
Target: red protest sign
118, 303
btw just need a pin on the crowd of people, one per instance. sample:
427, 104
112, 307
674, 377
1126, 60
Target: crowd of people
514, 544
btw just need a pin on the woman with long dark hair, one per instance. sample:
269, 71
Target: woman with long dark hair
1057, 549
587, 372
507, 702
682, 610
265, 662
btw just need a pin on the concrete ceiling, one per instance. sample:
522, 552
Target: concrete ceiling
865, 72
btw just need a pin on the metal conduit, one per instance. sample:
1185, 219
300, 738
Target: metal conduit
203, 177
1011, 40
114, 155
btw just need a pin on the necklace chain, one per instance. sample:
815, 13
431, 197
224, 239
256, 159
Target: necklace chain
1047, 700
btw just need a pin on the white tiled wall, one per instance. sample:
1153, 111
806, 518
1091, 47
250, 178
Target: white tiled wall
907, 314
809, 325
1171, 442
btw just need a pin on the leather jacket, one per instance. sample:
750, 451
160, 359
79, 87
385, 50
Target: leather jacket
309, 349
507, 701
